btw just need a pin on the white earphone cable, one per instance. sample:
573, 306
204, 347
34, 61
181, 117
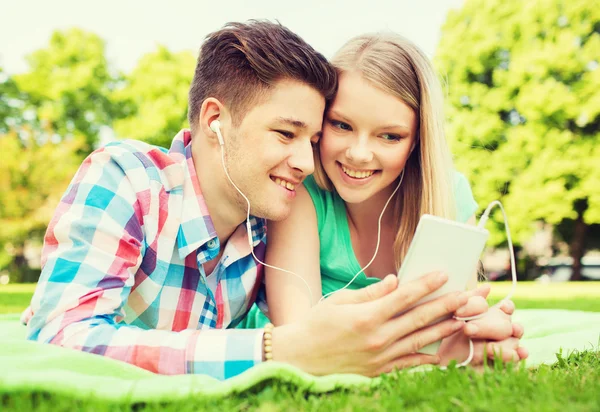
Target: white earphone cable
481, 224
248, 226
482, 221
377, 245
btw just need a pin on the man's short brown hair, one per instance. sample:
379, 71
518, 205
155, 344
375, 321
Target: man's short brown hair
241, 62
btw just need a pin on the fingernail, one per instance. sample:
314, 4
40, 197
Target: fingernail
442, 277
463, 298
471, 329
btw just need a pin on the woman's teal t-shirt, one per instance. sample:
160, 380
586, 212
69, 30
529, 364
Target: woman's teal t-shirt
337, 260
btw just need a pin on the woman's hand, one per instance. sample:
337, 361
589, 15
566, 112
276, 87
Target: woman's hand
492, 334
496, 335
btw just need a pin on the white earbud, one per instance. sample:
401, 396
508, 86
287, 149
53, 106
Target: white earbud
215, 126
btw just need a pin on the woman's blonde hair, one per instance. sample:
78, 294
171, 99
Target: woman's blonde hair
395, 65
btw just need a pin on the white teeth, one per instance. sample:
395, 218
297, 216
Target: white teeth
285, 184
358, 174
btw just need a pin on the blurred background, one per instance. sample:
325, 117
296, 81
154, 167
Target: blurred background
522, 84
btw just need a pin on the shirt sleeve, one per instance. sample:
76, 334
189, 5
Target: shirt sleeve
466, 206
92, 250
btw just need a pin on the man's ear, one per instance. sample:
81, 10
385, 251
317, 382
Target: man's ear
212, 109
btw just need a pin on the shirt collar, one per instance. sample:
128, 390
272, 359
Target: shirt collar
196, 230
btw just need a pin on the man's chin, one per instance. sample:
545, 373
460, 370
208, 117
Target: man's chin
276, 215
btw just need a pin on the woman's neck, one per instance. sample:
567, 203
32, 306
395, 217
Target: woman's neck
363, 221
364, 216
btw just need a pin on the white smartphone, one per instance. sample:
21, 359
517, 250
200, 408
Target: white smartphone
446, 246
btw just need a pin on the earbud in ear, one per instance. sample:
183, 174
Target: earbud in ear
215, 126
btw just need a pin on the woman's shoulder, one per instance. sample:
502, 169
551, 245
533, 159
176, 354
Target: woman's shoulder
326, 203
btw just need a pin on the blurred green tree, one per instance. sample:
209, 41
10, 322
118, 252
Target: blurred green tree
11, 103
524, 111
69, 86
51, 117
158, 88
33, 176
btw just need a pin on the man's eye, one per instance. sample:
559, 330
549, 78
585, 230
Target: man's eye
286, 134
340, 125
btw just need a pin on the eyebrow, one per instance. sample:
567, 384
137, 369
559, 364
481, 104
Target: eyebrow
296, 123
292, 122
395, 126
388, 127
338, 114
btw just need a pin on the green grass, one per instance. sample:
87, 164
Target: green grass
15, 297
534, 295
572, 384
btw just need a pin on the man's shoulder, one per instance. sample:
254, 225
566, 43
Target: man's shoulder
145, 153
137, 159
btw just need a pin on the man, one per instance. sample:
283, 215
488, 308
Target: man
147, 258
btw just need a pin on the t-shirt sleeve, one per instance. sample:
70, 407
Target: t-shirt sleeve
318, 197
466, 206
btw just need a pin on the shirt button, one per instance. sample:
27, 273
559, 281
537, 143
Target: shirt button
211, 243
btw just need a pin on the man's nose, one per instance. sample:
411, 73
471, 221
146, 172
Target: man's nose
302, 158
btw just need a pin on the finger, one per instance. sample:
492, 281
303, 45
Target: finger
489, 328
507, 306
367, 294
416, 341
518, 330
408, 361
407, 295
483, 291
476, 305
494, 325
478, 353
523, 352
506, 350
425, 315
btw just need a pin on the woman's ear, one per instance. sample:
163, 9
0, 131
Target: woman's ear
415, 142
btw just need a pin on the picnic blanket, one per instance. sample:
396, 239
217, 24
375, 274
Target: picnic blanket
28, 366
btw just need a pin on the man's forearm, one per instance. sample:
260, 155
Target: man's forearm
221, 353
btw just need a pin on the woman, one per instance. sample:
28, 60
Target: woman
384, 131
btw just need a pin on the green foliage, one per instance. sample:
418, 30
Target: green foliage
523, 81
12, 102
33, 176
52, 116
157, 89
68, 89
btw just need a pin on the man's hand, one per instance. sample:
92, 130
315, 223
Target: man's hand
358, 331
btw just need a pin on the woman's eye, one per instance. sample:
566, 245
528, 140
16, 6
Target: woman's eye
391, 137
340, 125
